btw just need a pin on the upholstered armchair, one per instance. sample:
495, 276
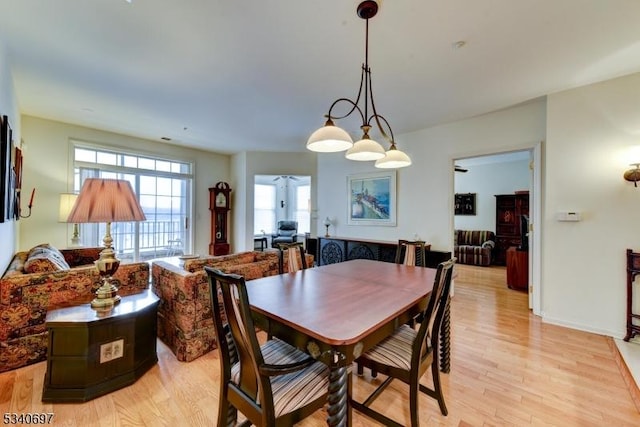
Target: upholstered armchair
286, 232
474, 247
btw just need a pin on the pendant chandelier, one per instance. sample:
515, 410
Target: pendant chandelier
331, 138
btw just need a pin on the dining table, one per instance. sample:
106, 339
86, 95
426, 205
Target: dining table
338, 311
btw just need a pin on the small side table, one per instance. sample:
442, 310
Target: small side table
92, 354
262, 240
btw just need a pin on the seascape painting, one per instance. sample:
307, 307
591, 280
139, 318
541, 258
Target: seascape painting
372, 198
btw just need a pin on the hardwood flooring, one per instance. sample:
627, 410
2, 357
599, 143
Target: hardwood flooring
508, 368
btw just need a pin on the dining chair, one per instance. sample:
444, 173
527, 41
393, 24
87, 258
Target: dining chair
407, 354
273, 384
296, 259
412, 252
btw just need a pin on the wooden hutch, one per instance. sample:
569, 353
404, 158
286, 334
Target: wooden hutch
509, 210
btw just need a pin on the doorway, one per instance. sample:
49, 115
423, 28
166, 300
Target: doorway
482, 178
280, 198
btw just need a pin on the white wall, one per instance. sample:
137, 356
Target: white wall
425, 189
47, 168
589, 133
241, 184
8, 230
267, 163
487, 180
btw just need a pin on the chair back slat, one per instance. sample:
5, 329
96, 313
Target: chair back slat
295, 257
426, 340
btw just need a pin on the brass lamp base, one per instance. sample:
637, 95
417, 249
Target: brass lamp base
107, 294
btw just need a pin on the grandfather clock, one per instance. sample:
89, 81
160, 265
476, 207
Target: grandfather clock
219, 205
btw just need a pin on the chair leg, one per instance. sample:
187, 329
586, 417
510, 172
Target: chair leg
413, 402
360, 370
437, 388
227, 414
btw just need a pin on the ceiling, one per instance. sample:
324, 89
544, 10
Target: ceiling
230, 76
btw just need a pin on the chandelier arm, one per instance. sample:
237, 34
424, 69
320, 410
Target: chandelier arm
378, 119
354, 108
377, 116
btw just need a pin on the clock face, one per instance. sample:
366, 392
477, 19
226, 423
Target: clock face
221, 200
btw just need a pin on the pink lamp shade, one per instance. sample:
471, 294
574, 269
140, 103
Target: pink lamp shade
106, 200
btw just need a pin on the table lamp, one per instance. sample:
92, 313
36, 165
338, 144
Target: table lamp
327, 223
106, 200
67, 200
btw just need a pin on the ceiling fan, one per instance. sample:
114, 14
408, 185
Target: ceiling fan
286, 177
460, 169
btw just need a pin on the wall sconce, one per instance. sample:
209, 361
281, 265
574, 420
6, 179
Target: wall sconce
30, 205
633, 175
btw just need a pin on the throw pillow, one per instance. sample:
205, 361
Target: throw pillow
44, 258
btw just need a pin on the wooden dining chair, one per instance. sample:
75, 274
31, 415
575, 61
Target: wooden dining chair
295, 257
412, 252
273, 384
407, 354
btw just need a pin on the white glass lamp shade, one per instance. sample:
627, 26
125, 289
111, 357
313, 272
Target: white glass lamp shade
329, 139
365, 150
394, 159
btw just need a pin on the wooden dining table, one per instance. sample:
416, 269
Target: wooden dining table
338, 311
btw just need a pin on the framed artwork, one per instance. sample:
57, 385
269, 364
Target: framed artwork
6, 196
465, 204
372, 198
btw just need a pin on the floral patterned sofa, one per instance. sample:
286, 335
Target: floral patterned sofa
185, 321
45, 278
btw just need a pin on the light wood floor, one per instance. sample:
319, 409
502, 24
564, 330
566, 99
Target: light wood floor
508, 368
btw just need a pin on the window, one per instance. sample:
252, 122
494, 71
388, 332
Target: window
302, 202
164, 191
264, 213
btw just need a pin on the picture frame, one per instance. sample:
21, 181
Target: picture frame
372, 198
465, 204
5, 169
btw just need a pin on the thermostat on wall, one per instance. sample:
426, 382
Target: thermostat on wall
568, 216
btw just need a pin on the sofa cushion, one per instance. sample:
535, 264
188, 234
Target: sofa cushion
45, 258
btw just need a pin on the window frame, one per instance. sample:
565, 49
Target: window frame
93, 232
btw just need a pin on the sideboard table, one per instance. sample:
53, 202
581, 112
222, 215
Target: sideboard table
91, 353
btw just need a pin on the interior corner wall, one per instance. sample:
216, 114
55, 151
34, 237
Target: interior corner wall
270, 163
47, 168
589, 133
9, 230
239, 210
425, 189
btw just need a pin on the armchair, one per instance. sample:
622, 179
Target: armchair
286, 232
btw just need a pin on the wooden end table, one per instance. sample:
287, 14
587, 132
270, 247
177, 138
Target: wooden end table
91, 354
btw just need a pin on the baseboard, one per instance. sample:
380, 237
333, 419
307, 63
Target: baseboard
632, 386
